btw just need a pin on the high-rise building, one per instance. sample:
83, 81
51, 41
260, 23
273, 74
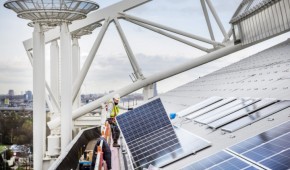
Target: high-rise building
28, 95
11, 92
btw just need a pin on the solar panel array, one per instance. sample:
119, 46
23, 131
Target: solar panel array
220, 160
270, 149
148, 133
231, 114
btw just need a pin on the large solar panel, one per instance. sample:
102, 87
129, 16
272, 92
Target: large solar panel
240, 113
270, 149
151, 138
220, 160
199, 106
210, 108
258, 115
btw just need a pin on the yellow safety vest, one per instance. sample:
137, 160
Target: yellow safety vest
115, 111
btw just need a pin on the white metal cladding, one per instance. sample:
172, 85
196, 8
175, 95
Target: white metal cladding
263, 75
260, 20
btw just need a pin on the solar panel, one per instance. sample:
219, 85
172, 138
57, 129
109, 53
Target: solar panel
151, 138
270, 149
258, 115
210, 108
228, 111
220, 160
218, 110
240, 113
198, 106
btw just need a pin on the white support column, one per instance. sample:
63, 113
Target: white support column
66, 86
47, 88
149, 91
128, 49
39, 111
207, 19
76, 68
54, 70
216, 17
81, 76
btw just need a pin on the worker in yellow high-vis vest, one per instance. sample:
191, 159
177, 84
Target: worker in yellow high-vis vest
113, 110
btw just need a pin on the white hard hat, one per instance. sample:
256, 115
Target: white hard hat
117, 97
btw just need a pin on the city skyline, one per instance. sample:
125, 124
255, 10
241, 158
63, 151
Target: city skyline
153, 51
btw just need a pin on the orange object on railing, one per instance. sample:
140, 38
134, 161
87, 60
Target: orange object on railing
105, 134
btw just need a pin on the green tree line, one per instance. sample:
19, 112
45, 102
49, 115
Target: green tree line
15, 129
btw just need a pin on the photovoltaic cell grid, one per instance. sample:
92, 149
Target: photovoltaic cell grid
148, 133
270, 148
220, 160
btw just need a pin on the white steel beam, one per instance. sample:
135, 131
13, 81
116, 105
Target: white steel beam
66, 86
152, 79
169, 35
129, 51
216, 17
203, 5
96, 16
54, 70
75, 68
230, 33
82, 74
196, 37
39, 112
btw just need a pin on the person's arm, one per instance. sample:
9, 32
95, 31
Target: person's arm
125, 108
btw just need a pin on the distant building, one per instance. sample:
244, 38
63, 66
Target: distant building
11, 92
28, 95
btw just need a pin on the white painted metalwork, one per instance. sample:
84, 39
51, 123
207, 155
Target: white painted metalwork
38, 96
47, 14
207, 19
75, 67
129, 51
257, 20
51, 12
54, 72
217, 19
81, 76
66, 85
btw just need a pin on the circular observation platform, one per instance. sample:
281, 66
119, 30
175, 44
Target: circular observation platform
51, 12
86, 30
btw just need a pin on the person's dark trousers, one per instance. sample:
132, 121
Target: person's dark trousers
106, 153
114, 130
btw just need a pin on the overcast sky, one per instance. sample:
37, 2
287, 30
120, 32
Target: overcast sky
111, 68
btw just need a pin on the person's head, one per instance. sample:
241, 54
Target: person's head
116, 98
